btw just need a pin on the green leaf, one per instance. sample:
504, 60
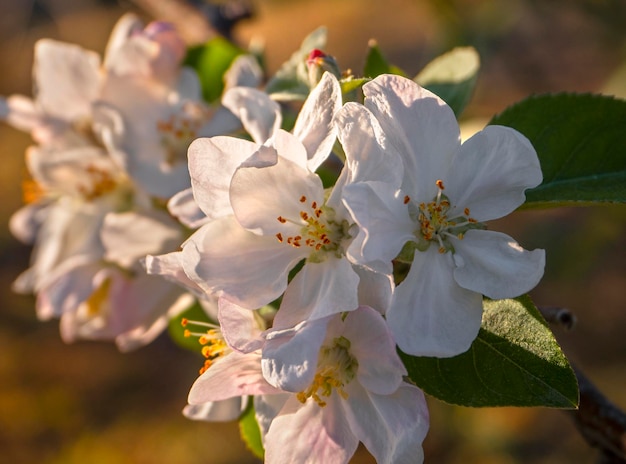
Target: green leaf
376, 64
250, 432
452, 76
515, 361
350, 84
211, 61
581, 146
177, 332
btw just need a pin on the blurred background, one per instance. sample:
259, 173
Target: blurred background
89, 403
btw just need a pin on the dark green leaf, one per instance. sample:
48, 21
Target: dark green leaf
211, 61
376, 64
250, 432
581, 146
452, 76
515, 361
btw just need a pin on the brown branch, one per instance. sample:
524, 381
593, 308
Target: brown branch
601, 423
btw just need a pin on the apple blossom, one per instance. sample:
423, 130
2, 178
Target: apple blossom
354, 393
435, 217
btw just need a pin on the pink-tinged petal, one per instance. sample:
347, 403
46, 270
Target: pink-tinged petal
308, 433
384, 221
375, 289
248, 269
170, 267
131, 235
259, 196
259, 114
67, 79
319, 290
26, 221
212, 163
494, 264
126, 26
64, 293
290, 355
184, 208
432, 315
314, 126
232, 375
371, 343
217, 411
239, 326
22, 113
163, 305
420, 127
243, 72
392, 427
369, 156
491, 172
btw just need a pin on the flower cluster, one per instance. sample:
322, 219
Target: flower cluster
305, 278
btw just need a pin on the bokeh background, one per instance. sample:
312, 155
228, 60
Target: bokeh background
88, 403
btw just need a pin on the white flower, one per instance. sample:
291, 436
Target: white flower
437, 213
354, 392
266, 211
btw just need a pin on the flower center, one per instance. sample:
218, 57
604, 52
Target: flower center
336, 368
318, 230
211, 340
99, 182
434, 222
180, 129
98, 299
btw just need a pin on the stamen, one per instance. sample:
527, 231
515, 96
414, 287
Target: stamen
406, 199
434, 224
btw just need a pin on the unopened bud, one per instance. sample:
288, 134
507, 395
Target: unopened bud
319, 62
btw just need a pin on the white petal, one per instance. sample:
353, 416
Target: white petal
170, 267
309, 433
250, 270
419, 125
369, 156
217, 411
232, 375
491, 172
375, 289
67, 78
431, 315
266, 408
384, 222
243, 72
131, 235
260, 196
290, 356
259, 114
183, 207
212, 163
319, 290
392, 427
239, 327
380, 368
495, 265
314, 124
